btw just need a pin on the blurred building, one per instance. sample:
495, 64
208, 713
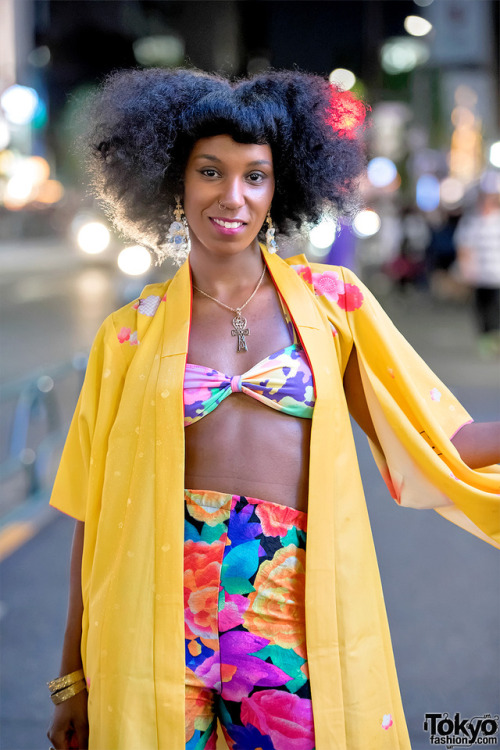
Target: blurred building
428, 68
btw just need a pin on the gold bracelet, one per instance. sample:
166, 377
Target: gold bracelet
63, 682
69, 692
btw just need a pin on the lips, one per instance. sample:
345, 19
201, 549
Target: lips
228, 223
227, 226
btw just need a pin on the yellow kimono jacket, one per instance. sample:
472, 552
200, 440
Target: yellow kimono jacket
122, 472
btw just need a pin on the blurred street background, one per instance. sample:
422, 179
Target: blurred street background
427, 242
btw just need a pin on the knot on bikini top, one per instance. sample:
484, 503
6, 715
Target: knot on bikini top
282, 381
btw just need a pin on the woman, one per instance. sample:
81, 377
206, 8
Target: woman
192, 604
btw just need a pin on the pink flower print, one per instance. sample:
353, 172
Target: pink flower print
387, 721
328, 284
333, 329
351, 299
124, 335
305, 273
149, 305
435, 394
235, 607
135, 306
391, 372
133, 338
284, 717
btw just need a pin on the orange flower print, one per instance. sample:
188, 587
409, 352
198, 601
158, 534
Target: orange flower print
276, 607
202, 564
278, 523
208, 507
198, 710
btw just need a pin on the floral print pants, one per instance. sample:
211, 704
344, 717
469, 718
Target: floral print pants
246, 662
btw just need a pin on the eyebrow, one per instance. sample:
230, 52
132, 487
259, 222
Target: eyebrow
255, 163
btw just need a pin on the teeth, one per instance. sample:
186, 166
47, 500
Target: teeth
229, 224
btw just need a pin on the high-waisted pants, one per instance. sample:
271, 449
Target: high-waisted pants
246, 661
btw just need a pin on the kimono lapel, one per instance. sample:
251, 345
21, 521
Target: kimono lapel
169, 663
329, 425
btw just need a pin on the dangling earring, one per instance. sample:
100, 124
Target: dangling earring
271, 231
178, 231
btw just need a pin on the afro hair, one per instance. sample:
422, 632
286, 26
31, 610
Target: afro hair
142, 125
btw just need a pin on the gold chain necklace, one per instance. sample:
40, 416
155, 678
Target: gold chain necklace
239, 322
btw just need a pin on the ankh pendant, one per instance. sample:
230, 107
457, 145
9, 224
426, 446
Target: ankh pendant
240, 330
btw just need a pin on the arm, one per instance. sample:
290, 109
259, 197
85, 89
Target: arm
69, 727
356, 401
478, 443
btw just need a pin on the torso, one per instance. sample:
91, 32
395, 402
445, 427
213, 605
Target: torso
244, 447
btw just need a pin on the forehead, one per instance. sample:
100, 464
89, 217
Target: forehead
225, 149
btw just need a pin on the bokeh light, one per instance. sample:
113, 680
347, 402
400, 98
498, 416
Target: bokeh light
134, 260
159, 49
451, 191
381, 171
17, 192
93, 238
4, 134
322, 236
19, 104
49, 192
494, 155
417, 26
490, 182
27, 175
403, 54
366, 223
343, 78
40, 56
428, 192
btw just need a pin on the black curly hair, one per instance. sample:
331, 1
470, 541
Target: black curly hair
142, 125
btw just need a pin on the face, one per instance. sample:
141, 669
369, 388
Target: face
228, 189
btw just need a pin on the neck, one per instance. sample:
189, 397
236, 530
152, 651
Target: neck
227, 276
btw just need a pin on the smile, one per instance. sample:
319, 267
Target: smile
228, 224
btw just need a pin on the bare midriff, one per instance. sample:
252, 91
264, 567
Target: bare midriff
244, 447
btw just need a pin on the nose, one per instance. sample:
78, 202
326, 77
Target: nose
232, 197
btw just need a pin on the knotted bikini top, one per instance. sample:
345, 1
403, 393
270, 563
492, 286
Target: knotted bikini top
282, 380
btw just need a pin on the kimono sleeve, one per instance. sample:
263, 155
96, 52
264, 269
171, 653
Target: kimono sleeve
415, 416
92, 416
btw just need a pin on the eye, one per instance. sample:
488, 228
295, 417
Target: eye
209, 172
256, 176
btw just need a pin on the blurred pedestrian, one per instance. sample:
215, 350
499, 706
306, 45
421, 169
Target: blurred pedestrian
478, 242
223, 566
408, 268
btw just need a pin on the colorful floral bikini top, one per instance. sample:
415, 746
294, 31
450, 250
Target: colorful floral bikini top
282, 380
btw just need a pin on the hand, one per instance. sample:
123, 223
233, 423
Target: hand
69, 729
